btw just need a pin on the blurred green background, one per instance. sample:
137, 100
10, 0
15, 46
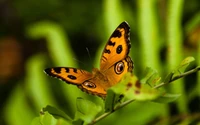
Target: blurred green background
36, 34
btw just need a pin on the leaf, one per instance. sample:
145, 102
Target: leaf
112, 99
187, 61
184, 64
151, 77
56, 113
169, 77
48, 119
144, 94
154, 80
167, 98
148, 73
131, 88
180, 69
86, 110
36, 121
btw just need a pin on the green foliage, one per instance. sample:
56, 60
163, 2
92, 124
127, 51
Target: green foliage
167, 98
129, 89
162, 34
55, 112
86, 110
48, 119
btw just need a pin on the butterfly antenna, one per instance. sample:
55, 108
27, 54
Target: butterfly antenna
89, 54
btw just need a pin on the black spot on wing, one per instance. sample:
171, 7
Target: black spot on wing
124, 25
119, 49
67, 70
48, 70
57, 70
75, 70
71, 77
107, 51
110, 43
104, 58
116, 33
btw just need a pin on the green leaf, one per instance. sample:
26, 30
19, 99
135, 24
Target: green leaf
151, 77
148, 73
144, 94
86, 110
131, 88
185, 63
36, 121
47, 119
112, 99
167, 98
169, 77
56, 113
180, 69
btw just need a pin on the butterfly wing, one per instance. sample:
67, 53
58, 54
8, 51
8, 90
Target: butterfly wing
120, 68
117, 47
69, 75
83, 79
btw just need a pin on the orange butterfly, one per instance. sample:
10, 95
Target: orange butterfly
114, 63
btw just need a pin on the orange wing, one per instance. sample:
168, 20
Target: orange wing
117, 47
69, 75
116, 72
86, 81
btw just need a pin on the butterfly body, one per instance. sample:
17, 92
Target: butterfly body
114, 63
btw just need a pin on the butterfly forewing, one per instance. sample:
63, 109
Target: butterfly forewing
117, 47
69, 75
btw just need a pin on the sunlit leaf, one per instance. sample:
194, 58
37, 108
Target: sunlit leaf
131, 88
151, 77
185, 63
48, 119
56, 113
180, 69
36, 121
167, 98
86, 110
148, 73
112, 99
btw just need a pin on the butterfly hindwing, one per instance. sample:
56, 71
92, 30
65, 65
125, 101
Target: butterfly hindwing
69, 75
117, 47
119, 69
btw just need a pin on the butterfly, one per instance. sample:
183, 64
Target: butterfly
114, 63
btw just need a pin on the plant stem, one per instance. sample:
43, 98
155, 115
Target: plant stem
131, 100
179, 76
108, 113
